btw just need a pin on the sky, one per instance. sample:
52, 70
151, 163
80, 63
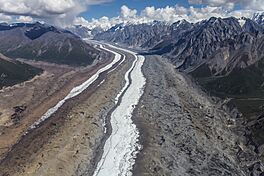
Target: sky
113, 9
106, 13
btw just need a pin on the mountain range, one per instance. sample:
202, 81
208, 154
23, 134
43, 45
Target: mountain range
186, 44
224, 55
39, 41
85, 32
259, 18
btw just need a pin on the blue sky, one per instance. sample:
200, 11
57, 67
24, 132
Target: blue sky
163, 10
112, 9
73, 12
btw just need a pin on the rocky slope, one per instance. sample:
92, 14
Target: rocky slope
135, 34
189, 45
213, 50
85, 32
44, 42
259, 18
71, 141
225, 56
185, 132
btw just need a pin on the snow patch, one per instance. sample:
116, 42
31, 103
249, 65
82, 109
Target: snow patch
241, 22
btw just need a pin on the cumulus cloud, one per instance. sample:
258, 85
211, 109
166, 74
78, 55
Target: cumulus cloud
60, 12
127, 13
24, 19
168, 14
5, 18
102, 22
66, 12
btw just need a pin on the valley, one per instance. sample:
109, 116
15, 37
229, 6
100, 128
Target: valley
174, 120
38, 146
154, 98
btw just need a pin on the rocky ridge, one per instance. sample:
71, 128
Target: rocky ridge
39, 41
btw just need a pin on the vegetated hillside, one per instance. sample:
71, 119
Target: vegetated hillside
236, 72
14, 72
244, 87
236, 69
44, 42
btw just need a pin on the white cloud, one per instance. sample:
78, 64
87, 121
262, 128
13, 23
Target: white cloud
5, 18
168, 14
102, 22
24, 19
59, 12
127, 13
66, 12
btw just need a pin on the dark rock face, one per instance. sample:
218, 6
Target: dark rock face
38, 30
208, 50
18, 113
44, 42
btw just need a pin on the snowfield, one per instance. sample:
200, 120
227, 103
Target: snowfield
122, 146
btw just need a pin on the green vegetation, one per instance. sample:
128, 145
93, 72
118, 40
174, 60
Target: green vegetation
202, 71
244, 86
12, 73
79, 55
240, 84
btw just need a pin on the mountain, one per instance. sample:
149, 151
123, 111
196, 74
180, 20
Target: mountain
13, 72
81, 31
189, 45
224, 55
145, 35
44, 42
227, 60
134, 34
259, 18
210, 48
172, 32
192, 46
85, 32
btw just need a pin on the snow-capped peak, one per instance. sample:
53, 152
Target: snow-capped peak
259, 18
242, 21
